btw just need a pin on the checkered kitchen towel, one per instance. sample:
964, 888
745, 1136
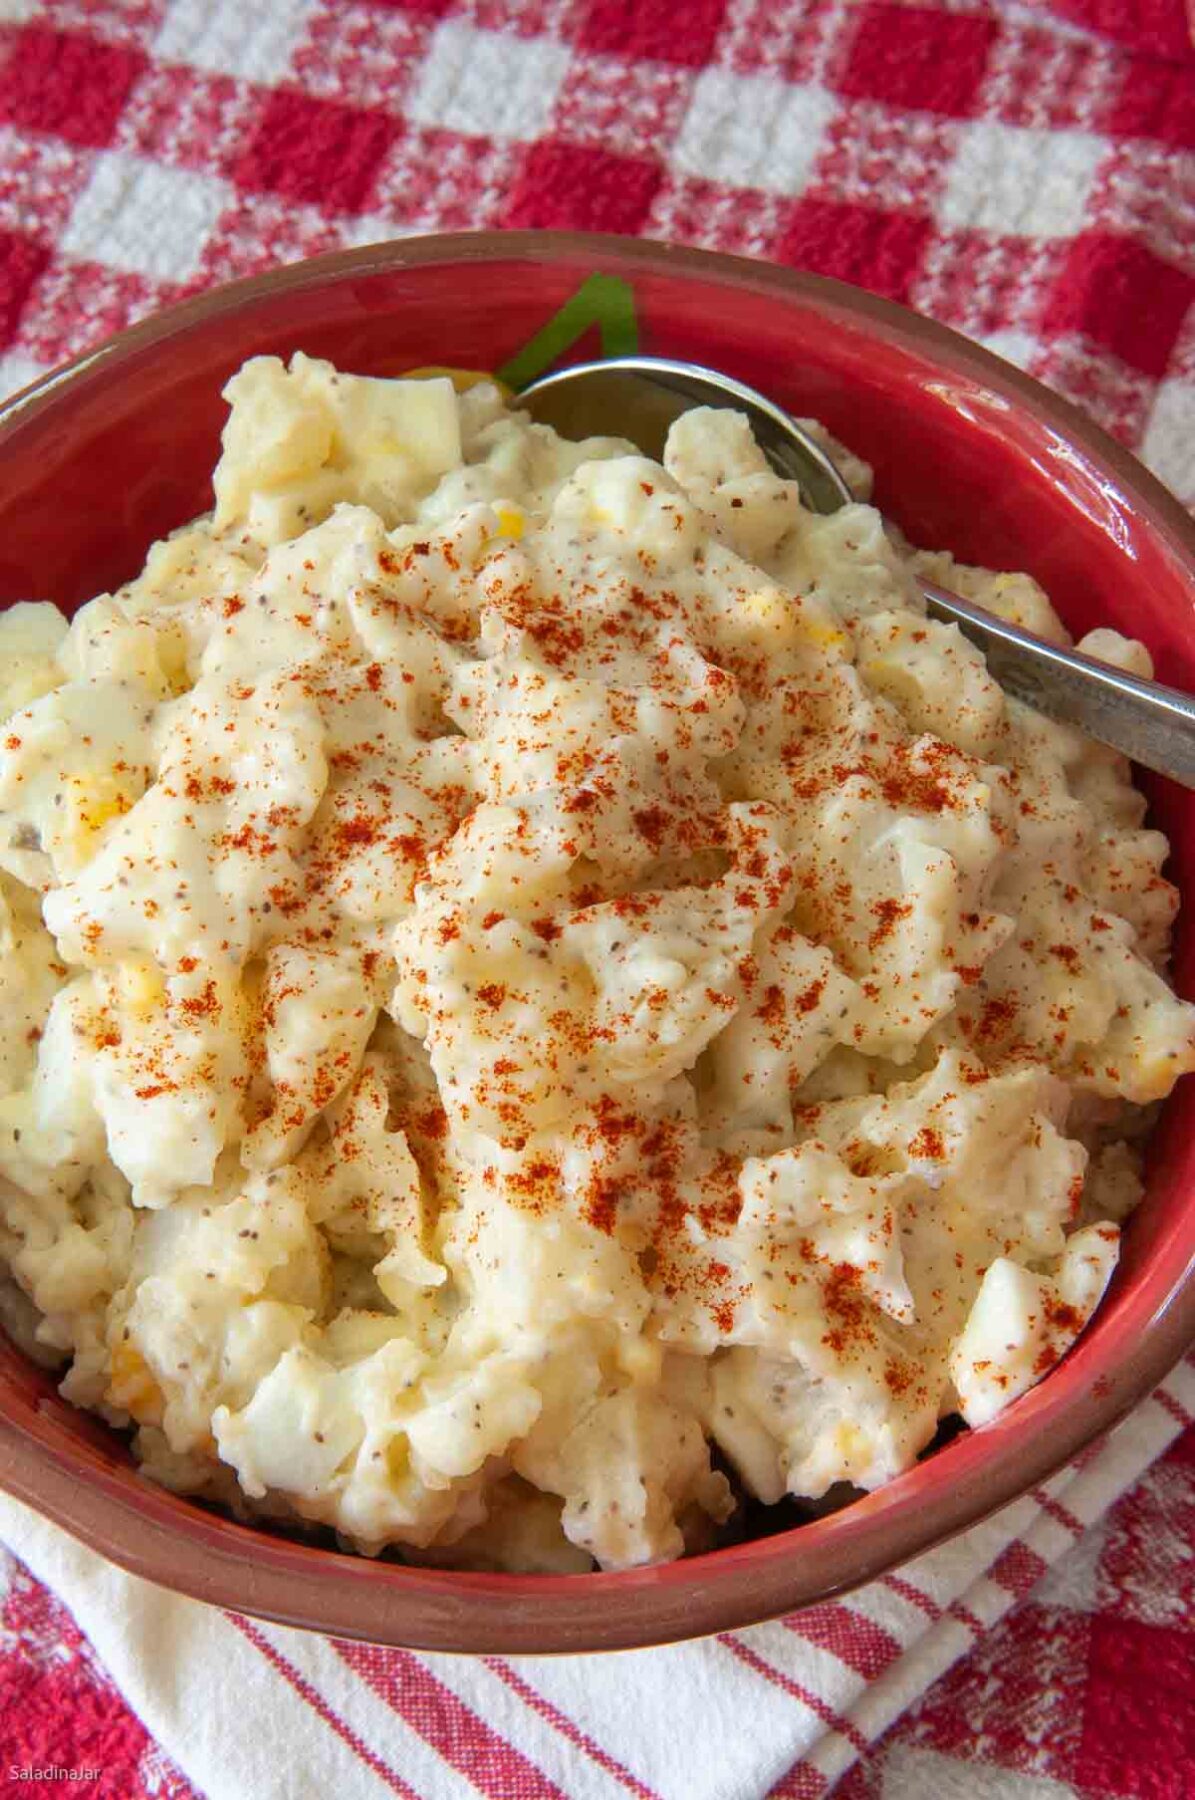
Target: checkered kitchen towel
1023, 172
1091, 1694
1026, 174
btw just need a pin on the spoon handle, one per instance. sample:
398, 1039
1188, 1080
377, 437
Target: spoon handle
1155, 725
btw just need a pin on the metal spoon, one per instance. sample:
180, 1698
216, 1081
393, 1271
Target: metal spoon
639, 397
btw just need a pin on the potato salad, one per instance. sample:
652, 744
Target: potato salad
544, 996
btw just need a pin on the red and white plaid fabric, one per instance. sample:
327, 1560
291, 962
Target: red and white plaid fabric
1025, 173
1085, 1690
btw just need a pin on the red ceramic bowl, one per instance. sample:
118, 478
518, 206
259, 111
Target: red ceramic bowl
98, 460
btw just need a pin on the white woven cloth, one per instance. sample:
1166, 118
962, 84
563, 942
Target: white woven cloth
253, 1710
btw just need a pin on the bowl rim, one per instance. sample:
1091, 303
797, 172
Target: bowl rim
183, 1546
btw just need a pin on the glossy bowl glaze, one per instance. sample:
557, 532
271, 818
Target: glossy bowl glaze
98, 460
